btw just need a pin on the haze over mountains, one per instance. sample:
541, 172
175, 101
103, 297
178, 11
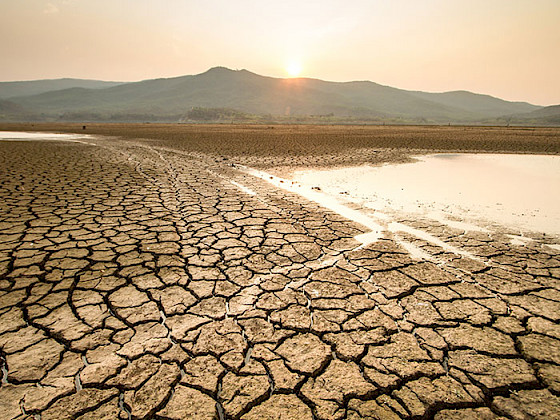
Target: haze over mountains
34, 87
221, 94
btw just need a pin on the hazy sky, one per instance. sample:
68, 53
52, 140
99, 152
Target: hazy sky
505, 48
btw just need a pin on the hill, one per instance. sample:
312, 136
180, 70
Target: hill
549, 115
246, 93
481, 104
35, 87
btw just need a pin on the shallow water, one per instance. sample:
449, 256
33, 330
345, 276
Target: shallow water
520, 192
38, 136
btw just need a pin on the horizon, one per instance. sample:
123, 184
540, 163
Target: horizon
501, 49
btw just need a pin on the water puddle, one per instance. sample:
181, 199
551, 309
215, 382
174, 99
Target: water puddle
37, 136
519, 192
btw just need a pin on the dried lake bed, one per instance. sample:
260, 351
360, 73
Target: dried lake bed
139, 279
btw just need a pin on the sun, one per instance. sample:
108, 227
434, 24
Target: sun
293, 69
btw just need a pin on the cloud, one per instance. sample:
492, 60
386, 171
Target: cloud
51, 9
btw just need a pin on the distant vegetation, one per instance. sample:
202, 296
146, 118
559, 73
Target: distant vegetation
199, 114
225, 96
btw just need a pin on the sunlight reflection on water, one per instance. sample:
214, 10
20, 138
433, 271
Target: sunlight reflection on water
520, 192
38, 136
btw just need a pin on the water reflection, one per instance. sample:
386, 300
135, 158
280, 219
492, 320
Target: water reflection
517, 191
38, 136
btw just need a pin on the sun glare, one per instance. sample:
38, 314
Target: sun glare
293, 69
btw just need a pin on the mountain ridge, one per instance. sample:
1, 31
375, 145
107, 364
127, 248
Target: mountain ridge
254, 94
34, 87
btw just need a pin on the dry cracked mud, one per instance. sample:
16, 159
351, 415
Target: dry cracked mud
140, 282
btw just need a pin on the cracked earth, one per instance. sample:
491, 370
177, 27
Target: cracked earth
141, 282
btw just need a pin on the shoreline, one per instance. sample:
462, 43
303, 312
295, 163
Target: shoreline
283, 149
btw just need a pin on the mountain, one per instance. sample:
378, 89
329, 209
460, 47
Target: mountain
481, 104
547, 111
34, 87
549, 115
8, 107
253, 94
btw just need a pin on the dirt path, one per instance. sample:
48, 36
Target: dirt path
142, 282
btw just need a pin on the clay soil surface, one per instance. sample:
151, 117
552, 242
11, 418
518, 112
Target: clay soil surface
289, 147
144, 275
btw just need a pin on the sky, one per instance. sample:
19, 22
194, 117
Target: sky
505, 48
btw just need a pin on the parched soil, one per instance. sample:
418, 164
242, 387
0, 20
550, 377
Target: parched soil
138, 281
319, 145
